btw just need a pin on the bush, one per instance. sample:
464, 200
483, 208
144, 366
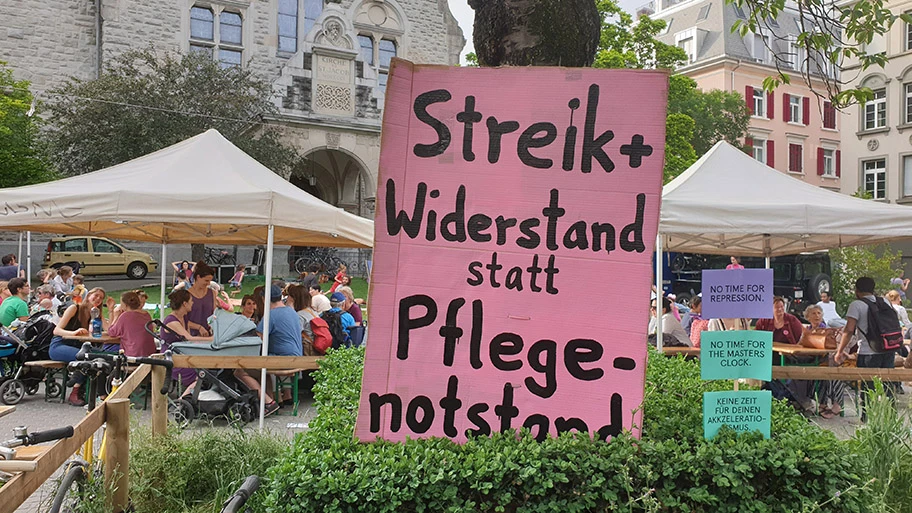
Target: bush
802, 468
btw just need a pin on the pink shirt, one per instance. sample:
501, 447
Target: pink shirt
734, 266
134, 339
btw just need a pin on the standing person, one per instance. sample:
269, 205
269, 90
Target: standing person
238, 278
204, 301
10, 268
15, 306
318, 301
337, 280
735, 264
786, 328
75, 322
857, 324
830, 317
128, 322
901, 284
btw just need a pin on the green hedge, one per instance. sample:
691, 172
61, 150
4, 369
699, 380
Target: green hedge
802, 468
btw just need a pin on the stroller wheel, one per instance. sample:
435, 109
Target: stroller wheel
240, 412
31, 389
181, 413
12, 391
53, 390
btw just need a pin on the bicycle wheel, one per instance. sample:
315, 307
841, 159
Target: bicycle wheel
70, 491
300, 265
228, 259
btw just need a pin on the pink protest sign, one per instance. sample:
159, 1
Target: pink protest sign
517, 211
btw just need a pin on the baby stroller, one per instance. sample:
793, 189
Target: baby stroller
218, 392
30, 341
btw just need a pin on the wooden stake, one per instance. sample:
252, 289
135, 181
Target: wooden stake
117, 455
159, 402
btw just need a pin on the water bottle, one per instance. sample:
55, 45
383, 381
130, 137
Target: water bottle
96, 322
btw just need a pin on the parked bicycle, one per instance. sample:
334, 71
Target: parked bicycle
237, 501
108, 369
23, 439
326, 259
219, 256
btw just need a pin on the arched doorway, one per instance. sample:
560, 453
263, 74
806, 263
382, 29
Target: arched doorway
335, 177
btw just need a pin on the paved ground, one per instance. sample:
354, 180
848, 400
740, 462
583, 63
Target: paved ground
39, 415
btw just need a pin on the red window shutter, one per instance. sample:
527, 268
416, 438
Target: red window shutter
838, 163
770, 107
820, 169
786, 113
829, 115
749, 97
749, 143
770, 154
806, 108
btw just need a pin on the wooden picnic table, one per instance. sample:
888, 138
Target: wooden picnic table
685, 350
104, 339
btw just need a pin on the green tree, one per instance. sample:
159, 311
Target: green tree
679, 153
144, 102
849, 264
628, 43
21, 161
718, 115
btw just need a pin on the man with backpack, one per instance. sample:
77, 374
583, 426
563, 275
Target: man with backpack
879, 334
338, 320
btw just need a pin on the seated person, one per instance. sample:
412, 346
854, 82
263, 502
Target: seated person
79, 289
284, 340
337, 301
351, 306
129, 324
46, 300
181, 302
249, 308
786, 328
75, 322
10, 268
63, 282
182, 282
318, 301
16, 305
673, 333
696, 308
4, 291
830, 317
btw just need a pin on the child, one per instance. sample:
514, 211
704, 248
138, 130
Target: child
337, 281
183, 282
79, 289
235, 282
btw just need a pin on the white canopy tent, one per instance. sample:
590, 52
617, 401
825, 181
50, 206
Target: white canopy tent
202, 190
729, 203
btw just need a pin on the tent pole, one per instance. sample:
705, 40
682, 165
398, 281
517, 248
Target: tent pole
28, 255
659, 292
767, 262
163, 269
19, 258
267, 301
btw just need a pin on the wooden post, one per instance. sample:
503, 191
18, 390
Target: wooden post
159, 402
117, 455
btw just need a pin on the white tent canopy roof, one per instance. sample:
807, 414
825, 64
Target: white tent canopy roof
729, 203
202, 190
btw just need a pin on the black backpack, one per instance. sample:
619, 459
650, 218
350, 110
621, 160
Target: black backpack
334, 321
884, 333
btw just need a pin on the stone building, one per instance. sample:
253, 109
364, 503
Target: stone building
328, 63
791, 129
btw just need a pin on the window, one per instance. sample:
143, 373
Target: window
759, 149
667, 27
795, 111
312, 10
103, 246
829, 162
288, 25
228, 47
387, 52
759, 102
829, 116
907, 175
908, 43
875, 111
688, 46
367, 49
72, 246
760, 47
796, 55
908, 103
875, 178
201, 24
704, 12
739, 12
796, 158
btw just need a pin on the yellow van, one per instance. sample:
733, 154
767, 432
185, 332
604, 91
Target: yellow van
96, 256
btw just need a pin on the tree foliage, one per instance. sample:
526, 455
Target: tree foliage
697, 119
21, 161
146, 101
849, 264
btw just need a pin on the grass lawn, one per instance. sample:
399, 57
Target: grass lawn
359, 287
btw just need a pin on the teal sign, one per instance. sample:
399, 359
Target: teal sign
744, 412
736, 354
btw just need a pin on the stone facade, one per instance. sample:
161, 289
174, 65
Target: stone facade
329, 86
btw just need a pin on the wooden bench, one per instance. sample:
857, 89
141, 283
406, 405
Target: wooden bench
52, 368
